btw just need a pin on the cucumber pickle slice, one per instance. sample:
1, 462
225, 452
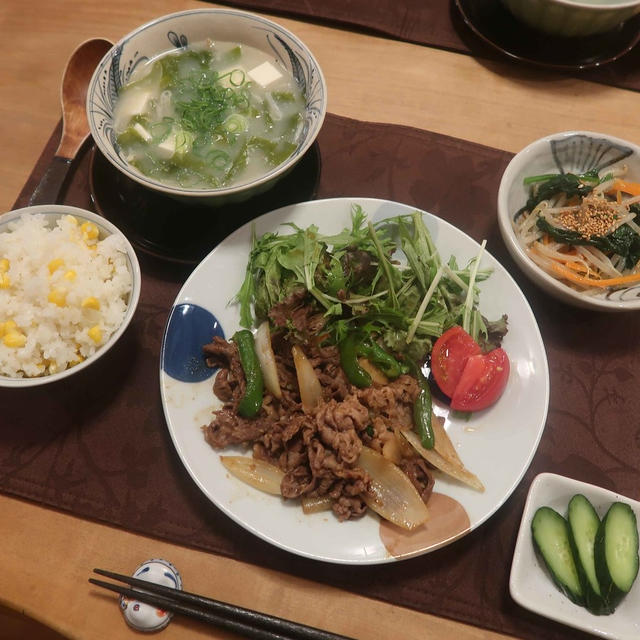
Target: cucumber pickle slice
583, 527
551, 537
616, 553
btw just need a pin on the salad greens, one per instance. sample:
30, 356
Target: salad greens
360, 284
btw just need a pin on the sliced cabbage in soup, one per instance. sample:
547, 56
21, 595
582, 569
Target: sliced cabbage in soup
213, 115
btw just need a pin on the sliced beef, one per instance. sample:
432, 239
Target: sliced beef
421, 477
318, 451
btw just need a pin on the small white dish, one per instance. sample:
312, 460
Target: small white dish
51, 213
531, 585
565, 152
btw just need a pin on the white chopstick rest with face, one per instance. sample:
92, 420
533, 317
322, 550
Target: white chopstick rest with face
146, 617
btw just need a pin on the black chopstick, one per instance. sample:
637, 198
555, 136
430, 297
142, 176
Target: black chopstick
244, 622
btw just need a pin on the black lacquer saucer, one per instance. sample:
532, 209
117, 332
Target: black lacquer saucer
185, 233
496, 26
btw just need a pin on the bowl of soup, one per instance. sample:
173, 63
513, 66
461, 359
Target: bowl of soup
573, 18
207, 104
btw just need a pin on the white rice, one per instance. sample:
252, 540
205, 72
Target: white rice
58, 337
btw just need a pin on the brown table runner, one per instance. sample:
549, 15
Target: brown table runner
99, 447
435, 23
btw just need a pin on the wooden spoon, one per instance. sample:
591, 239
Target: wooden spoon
75, 126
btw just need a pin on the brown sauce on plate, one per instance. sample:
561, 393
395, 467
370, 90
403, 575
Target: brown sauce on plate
447, 521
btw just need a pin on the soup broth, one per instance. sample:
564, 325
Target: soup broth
213, 115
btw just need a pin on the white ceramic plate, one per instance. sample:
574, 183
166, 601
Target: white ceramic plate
530, 584
496, 444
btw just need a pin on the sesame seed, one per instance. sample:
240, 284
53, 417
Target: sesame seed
594, 217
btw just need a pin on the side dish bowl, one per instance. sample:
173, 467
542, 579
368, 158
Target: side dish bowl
573, 18
49, 325
566, 152
175, 32
530, 583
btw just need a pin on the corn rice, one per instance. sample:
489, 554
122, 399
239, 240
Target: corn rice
63, 292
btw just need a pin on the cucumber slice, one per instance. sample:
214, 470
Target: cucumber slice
583, 527
616, 553
551, 537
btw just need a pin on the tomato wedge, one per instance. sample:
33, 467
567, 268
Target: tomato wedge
482, 381
449, 356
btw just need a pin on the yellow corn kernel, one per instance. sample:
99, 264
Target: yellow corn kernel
7, 327
4, 265
70, 275
52, 366
95, 333
89, 231
5, 281
90, 303
55, 264
14, 339
71, 219
58, 297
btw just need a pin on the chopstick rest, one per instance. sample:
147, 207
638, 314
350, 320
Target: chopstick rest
246, 623
147, 617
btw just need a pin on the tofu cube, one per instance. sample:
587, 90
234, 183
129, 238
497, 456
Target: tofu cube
142, 132
167, 148
130, 103
265, 74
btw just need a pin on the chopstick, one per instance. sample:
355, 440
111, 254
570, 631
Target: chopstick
245, 622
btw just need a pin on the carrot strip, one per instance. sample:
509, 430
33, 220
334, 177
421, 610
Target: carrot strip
569, 264
590, 282
632, 188
575, 266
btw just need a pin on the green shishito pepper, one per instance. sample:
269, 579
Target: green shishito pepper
349, 361
355, 346
373, 352
422, 412
252, 399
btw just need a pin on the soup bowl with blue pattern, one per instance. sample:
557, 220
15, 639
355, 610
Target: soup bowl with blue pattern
181, 148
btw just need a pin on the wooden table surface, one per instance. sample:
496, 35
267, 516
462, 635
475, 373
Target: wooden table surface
46, 555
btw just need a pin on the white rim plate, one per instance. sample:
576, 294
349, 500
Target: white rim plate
496, 444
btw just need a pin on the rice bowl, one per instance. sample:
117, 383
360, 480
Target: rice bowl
69, 285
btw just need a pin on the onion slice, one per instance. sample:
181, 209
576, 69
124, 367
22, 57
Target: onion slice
442, 442
391, 494
450, 467
310, 388
267, 360
255, 472
316, 504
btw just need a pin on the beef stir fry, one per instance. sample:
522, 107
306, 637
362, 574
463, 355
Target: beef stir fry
328, 394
